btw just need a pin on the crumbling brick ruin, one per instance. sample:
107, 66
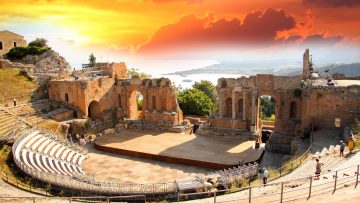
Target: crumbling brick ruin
104, 92
300, 101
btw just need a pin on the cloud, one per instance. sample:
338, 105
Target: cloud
190, 31
333, 3
322, 39
170, 1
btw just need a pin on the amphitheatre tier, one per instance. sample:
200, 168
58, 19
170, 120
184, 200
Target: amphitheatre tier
215, 152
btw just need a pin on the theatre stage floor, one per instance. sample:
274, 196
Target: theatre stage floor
202, 151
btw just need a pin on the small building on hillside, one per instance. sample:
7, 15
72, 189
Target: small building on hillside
9, 40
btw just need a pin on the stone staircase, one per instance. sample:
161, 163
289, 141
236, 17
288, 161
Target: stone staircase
346, 167
329, 156
10, 126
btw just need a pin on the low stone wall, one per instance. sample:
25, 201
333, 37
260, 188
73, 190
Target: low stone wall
161, 117
227, 123
63, 116
154, 126
282, 143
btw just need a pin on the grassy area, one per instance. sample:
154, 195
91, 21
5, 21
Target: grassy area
15, 84
15, 176
8, 166
356, 129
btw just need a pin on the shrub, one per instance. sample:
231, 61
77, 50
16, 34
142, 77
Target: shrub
297, 93
25, 74
20, 52
38, 42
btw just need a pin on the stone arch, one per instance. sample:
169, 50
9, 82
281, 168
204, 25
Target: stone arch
136, 101
223, 83
263, 112
228, 107
293, 110
240, 107
153, 102
94, 111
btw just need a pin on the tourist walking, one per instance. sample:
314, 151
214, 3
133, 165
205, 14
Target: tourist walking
14, 101
351, 145
318, 169
342, 148
265, 175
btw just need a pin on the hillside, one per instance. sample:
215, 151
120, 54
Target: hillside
15, 84
352, 69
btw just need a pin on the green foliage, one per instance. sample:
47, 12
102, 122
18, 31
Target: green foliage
297, 93
356, 129
208, 88
25, 74
132, 71
267, 108
92, 60
195, 102
20, 52
38, 42
139, 104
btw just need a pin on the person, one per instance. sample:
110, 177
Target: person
318, 169
14, 101
265, 175
342, 148
351, 145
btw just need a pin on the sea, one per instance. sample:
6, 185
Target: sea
186, 81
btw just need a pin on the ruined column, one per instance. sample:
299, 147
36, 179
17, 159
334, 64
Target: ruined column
253, 111
233, 104
244, 105
221, 104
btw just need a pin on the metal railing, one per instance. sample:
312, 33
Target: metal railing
131, 198
302, 188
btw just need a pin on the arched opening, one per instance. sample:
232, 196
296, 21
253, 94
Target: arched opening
66, 97
94, 111
293, 110
267, 112
136, 105
153, 101
223, 84
228, 107
240, 110
119, 101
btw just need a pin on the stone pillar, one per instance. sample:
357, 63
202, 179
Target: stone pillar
233, 105
253, 111
221, 104
244, 105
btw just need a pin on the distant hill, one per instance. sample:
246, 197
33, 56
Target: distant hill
352, 69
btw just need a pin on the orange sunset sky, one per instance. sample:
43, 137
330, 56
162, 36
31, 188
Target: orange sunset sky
201, 31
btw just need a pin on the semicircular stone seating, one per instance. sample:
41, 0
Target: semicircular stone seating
46, 154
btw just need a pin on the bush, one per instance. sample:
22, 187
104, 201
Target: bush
20, 52
195, 102
25, 74
38, 42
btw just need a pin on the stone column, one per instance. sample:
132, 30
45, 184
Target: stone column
233, 105
221, 103
253, 108
244, 105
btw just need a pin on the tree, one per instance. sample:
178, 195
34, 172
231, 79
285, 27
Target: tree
267, 108
208, 88
38, 42
92, 60
132, 71
195, 102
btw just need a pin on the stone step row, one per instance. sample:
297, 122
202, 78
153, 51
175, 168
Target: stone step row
46, 154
